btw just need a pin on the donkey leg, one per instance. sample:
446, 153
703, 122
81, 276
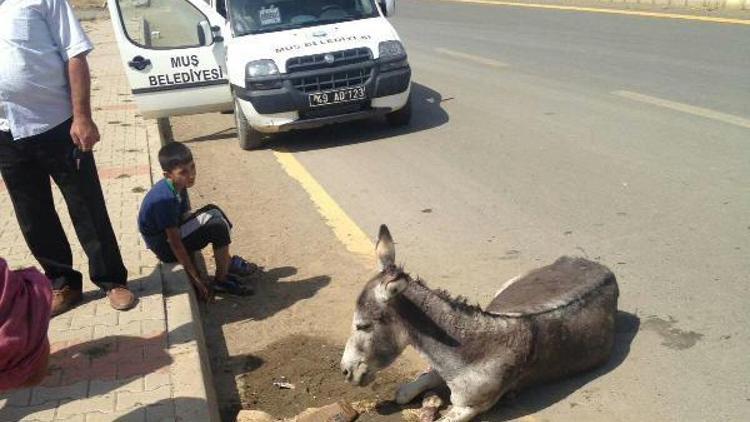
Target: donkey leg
408, 392
460, 414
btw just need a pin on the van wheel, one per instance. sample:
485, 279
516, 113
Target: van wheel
400, 117
249, 138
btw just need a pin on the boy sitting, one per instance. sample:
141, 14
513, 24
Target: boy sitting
173, 233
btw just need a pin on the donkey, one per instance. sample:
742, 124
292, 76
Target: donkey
552, 322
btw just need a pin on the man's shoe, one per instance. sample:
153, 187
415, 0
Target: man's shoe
121, 298
65, 299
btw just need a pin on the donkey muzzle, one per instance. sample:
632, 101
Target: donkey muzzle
358, 375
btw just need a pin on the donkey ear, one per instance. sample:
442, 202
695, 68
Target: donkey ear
390, 288
384, 249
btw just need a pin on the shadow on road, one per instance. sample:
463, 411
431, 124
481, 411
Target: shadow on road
272, 296
534, 399
427, 113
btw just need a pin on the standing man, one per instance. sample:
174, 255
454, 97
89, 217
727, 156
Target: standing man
46, 131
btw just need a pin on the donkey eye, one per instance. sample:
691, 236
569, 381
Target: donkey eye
365, 326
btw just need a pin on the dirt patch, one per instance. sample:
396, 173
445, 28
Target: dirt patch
674, 338
88, 4
311, 364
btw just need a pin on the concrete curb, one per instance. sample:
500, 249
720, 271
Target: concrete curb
192, 379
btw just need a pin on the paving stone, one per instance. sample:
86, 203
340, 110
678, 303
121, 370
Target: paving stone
61, 322
104, 308
157, 379
128, 400
131, 329
41, 395
15, 398
161, 412
100, 403
75, 418
81, 334
53, 378
152, 327
133, 415
58, 346
132, 385
109, 319
153, 305
42, 412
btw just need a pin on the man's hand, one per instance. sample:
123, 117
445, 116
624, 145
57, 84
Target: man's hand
84, 133
83, 130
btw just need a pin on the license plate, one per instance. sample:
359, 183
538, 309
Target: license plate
343, 95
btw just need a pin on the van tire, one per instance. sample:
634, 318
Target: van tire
400, 117
249, 138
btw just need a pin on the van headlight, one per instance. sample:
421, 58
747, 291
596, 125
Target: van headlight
261, 68
392, 56
262, 74
391, 50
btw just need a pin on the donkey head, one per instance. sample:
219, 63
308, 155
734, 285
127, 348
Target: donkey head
377, 336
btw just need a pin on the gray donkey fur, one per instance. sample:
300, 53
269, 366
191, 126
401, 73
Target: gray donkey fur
550, 323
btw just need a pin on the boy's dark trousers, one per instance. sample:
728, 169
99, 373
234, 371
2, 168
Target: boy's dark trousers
26, 166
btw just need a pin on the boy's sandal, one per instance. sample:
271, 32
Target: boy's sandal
232, 287
241, 267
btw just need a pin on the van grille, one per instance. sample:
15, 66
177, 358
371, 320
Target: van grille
317, 61
332, 80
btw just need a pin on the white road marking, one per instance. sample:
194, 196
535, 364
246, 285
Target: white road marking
477, 59
686, 108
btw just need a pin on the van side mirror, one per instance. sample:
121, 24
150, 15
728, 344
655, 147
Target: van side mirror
208, 34
205, 35
388, 7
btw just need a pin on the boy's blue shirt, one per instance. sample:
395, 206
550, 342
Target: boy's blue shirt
162, 208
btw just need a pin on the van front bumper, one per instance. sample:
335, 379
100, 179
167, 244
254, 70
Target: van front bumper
287, 98
289, 120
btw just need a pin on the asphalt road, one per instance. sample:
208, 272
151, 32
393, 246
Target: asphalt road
539, 133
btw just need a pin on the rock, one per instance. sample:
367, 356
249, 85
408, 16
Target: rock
364, 406
431, 404
254, 416
410, 415
340, 411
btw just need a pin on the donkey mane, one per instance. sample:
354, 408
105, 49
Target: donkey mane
458, 303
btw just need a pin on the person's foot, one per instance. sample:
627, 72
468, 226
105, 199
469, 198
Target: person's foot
121, 298
242, 268
65, 299
232, 287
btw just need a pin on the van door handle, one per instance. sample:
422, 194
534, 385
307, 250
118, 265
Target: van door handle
139, 63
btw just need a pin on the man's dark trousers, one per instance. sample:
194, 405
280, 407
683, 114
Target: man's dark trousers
26, 166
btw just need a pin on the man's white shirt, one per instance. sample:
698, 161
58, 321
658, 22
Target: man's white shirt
37, 38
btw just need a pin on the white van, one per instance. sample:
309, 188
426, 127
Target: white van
279, 64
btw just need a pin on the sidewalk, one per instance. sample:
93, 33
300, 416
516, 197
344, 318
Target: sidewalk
146, 364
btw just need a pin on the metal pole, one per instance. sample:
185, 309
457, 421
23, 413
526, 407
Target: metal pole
165, 130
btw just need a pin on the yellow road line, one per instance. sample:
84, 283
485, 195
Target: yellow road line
610, 11
477, 59
686, 108
345, 229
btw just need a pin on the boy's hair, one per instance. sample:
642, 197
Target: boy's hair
174, 154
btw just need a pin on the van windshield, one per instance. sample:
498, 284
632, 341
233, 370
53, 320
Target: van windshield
258, 16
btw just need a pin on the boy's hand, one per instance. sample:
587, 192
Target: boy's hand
203, 289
